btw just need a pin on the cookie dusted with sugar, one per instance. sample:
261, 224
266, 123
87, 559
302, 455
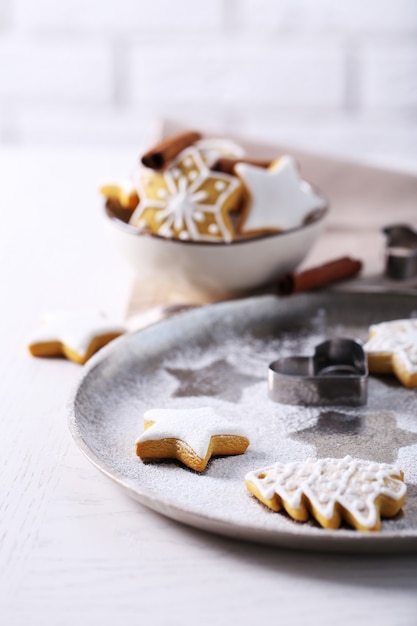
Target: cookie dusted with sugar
191, 436
331, 490
278, 198
74, 335
187, 201
392, 349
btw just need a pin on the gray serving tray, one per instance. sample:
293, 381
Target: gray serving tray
218, 356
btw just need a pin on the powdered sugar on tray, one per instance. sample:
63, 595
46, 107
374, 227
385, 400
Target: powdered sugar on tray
218, 357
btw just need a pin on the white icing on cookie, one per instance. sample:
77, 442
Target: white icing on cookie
181, 205
280, 199
74, 329
213, 229
127, 186
406, 360
194, 427
358, 485
397, 339
184, 202
213, 149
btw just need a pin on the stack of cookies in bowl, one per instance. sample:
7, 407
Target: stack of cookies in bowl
193, 198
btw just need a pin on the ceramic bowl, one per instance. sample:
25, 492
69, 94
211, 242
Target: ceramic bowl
216, 268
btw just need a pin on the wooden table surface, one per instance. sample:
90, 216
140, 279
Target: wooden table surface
74, 548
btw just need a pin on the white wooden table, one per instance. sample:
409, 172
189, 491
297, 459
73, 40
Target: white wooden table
76, 550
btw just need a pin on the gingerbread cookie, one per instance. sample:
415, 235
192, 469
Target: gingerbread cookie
278, 198
122, 194
187, 201
74, 335
331, 490
212, 149
191, 436
392, 349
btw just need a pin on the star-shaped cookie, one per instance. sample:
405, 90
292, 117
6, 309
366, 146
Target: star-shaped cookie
75, 335
187, 201
392, 349
279, 198
191, 436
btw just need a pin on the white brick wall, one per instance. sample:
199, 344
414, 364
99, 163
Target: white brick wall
389, 78
54, 71
353, 16
116, 16
238, 71
324, 74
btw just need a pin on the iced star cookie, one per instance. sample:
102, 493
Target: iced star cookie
74, 335
331, 490
278, 198
191, 436
122, 194
392, 349
187, 201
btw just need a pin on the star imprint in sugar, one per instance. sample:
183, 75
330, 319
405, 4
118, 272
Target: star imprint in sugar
220, 379
375, 436
280, 199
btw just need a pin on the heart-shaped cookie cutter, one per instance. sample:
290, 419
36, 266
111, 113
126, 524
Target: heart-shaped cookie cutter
401, 251
337, 374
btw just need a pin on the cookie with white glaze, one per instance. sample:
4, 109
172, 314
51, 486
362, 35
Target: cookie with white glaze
191, 436
213, 148
331, 490
278, 199
75, 335
392, 349
187, 201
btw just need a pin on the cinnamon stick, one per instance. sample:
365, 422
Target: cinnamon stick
160, 156
227, 166
320, 276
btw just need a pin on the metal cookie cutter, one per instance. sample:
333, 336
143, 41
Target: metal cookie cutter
401, 251
336, 374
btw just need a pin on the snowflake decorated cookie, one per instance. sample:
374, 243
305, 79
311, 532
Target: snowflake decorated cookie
392, 349
278, 198
191, 436
187, 201
331, 490
75, 335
